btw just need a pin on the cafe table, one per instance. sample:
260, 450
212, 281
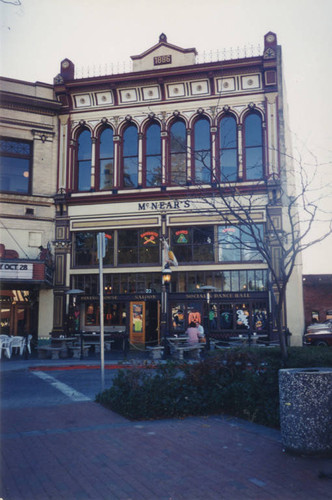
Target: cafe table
248, 339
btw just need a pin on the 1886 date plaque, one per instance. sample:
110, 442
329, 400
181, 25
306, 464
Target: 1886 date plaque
157, 60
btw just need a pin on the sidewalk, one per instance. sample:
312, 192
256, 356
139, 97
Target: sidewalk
82, 451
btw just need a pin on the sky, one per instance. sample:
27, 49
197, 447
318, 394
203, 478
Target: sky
37, 35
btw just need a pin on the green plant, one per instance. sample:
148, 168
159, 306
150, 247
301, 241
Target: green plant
239, 382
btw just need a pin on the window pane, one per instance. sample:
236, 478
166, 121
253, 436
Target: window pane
130, 174
178, 137
153, 141
229, 244
138, 246
226, 316
84, 175
202, 135
15, 165
202, 156
153, 171
178, 169
85, 249
84, 146
84, 161
253, 130
178, 145
130, 144
106, 144
106, 174
254, 163
228, 163
202, 167
106, 154
14, 175
130, 157
148, 247
228, 133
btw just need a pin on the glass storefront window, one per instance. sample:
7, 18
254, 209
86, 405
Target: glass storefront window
85, 249
114, 314
236, 244
242, 317
193, 244
226, 316
178, 322
138, 246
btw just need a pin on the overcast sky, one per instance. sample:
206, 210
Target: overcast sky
37, 35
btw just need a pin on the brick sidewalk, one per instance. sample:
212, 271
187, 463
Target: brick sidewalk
83, 451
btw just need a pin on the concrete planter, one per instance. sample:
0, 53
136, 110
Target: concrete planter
306, 410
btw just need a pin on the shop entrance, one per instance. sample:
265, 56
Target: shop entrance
15, 316
144, 323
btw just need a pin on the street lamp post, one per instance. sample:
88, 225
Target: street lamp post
164, 324
74, 293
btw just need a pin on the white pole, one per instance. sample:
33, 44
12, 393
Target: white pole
101, 247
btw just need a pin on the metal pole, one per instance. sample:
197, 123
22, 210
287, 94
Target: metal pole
101, 309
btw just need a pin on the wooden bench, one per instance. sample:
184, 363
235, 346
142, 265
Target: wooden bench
156, 351
178, 350
48, 351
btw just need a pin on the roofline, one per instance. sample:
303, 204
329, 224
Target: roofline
164, 72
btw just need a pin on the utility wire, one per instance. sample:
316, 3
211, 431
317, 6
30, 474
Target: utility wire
17, 243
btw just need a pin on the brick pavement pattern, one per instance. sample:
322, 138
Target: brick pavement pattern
83, 451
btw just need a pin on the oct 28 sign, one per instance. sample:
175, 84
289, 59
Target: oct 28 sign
15, 270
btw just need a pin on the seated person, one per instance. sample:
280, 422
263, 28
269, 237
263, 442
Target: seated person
193, 333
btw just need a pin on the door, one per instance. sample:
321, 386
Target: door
137, 323
152, 331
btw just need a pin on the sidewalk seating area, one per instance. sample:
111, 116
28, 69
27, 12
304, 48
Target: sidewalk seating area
16, 344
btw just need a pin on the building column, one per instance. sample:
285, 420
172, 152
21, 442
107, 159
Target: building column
240, 151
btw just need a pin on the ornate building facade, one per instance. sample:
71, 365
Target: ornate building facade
161, 155
140, 157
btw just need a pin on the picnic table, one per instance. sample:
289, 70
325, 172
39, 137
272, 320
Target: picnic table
180, 345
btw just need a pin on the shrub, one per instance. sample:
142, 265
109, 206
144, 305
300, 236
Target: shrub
240, 382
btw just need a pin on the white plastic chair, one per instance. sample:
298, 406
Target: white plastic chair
18, 342
6, 345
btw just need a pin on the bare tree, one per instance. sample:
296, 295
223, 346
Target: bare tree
14, 2
291, 205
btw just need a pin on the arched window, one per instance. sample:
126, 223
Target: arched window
130, 157
253, 147
84, 161
202, 151
228, 149
106, 159
153, 156
178, 148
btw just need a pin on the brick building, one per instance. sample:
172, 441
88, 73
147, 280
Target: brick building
317, 297
28, 150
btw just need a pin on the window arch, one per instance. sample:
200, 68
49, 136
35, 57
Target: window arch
228, 149
178, 149
130, 157
202, 151
106, 159
84, 147
253, 147
153, 155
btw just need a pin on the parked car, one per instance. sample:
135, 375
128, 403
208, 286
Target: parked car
319, 334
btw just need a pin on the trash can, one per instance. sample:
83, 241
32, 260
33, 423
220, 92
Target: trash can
305, 396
